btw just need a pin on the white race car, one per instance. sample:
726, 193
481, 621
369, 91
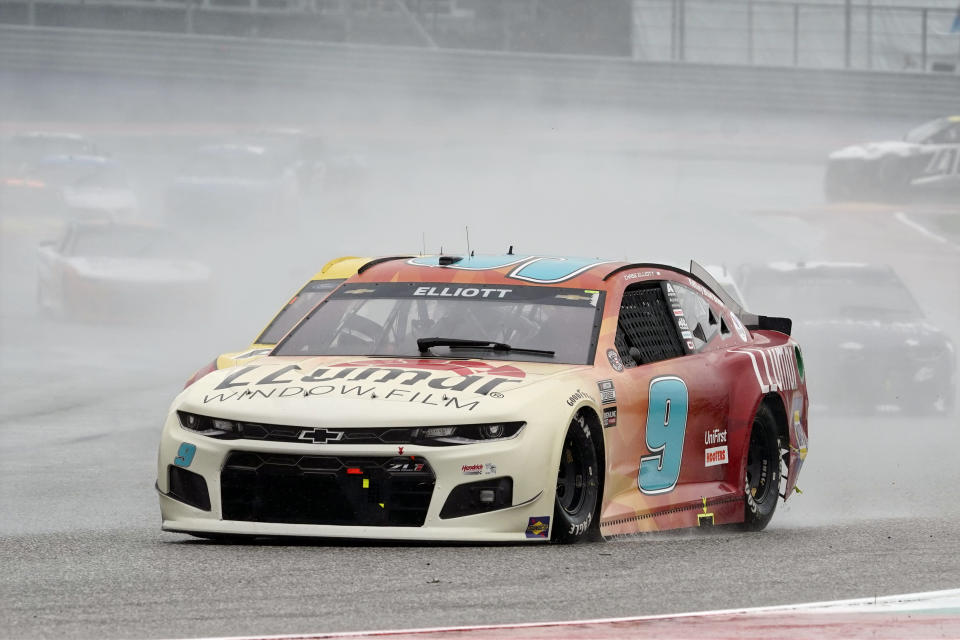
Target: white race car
495, 398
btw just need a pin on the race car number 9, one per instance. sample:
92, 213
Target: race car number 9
185, 454
666, 426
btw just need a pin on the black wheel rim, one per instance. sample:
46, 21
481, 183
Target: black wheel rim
759, 464
572, 478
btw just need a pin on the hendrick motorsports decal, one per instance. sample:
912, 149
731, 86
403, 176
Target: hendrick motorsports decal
487, 468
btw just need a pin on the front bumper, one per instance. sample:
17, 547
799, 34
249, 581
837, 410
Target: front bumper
294, 489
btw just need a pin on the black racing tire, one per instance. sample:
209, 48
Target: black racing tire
762, 471
578, 485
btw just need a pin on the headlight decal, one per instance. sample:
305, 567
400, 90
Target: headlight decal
434, 436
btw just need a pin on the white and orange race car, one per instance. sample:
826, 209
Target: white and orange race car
496, 398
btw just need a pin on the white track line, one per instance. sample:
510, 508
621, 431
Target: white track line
912, 601
922, 230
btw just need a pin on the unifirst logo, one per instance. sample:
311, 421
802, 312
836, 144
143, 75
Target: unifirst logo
715, 437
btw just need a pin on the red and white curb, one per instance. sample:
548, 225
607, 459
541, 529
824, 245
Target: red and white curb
934, 614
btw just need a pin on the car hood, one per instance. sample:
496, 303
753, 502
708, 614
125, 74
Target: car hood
140, 270
100, 199
874, 150
374, 392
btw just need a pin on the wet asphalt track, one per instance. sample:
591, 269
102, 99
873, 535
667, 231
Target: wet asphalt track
80, 547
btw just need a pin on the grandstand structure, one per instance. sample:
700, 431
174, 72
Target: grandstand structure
886, 35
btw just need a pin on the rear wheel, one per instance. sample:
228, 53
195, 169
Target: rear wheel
578, 485
762, 475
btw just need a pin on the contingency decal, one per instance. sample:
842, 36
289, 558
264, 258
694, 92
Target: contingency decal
185, 454
610, 416
537, 269
608, 393
674, 301
538, 527
715, 453
615, 360
666, 426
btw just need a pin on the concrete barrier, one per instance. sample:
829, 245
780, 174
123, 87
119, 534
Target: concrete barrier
469, 75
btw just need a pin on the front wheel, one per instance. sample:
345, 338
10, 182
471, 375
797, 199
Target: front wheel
578, 485
762, 476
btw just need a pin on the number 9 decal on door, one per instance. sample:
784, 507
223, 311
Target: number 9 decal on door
666, 426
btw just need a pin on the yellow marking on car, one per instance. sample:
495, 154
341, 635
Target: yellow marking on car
704, 518
366, 483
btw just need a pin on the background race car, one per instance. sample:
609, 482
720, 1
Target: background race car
73, 187
29, 147
866, 340
510, 398
235, 184
119, 271
924, 165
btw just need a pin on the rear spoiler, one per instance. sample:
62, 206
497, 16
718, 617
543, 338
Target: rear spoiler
750, 320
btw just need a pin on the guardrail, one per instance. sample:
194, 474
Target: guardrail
472, 76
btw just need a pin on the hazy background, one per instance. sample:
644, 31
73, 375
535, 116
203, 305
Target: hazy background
664, 180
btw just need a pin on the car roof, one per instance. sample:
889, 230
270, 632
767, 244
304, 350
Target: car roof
79, 159
232, 148
51, 135
509, 269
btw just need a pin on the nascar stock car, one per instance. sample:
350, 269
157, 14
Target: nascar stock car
925, 164
71, 186
860, 324
235, 182
109, 270
496, 398
319, 286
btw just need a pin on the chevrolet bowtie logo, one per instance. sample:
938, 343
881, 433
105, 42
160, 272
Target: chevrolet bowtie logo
320, 435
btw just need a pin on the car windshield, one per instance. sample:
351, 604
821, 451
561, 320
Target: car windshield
388, 318
862, 294
306, 299
922, 133
125, 242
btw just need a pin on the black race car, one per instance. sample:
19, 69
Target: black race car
863, 334
925, 165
